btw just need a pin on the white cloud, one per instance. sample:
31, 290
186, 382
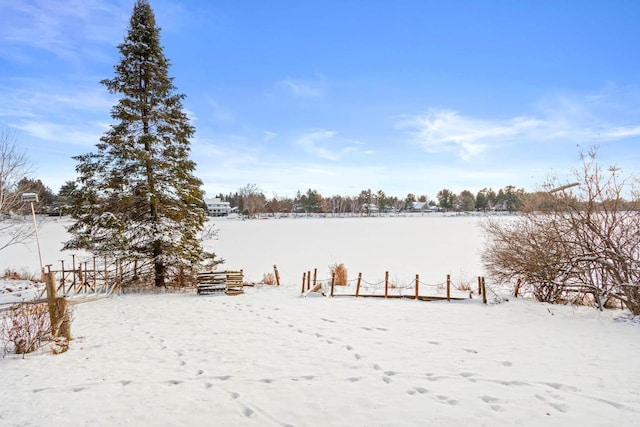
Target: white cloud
315, 142
69, 134
44, 24
558, 118
268, 135
219, 113
446, 130
303, 88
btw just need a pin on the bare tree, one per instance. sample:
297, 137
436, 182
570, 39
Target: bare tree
14, 166
253, 199
574, 240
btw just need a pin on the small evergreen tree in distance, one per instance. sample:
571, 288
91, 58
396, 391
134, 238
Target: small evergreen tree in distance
137, 198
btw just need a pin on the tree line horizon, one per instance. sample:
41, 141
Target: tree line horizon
251, 200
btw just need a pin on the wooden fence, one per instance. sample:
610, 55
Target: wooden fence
417, 289
89, 275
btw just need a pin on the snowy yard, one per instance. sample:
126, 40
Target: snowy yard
272, 357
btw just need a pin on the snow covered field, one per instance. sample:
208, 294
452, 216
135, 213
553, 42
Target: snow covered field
272, 357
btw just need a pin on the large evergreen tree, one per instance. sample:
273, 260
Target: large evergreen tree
137, 198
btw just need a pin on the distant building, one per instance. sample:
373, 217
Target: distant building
421, 207
370, 208
216, 207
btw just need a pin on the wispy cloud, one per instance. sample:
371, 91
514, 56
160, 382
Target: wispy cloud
86, 134
44, 25
328, 145
315, 143
557, 118
71, 114
216, 112
268, 135
303, 88
446, 130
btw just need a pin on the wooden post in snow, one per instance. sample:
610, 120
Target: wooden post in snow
119, 273
51, 301
386, 284
448, 287
80, 277
58, 313
275, 269
63, 278
304, 279
517, 289
308, 279
484, 292
333, 282
73, 266
95, 275
479, 285
315, 276
358, 285
417, 285
106, 275
85, 283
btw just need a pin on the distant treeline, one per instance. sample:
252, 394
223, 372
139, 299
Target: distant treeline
250, 200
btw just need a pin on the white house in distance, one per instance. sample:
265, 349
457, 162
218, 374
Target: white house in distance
216, 207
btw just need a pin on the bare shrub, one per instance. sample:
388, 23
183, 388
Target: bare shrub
339, 272
11, 274
269, 279
578, 239
25, 327
463, 282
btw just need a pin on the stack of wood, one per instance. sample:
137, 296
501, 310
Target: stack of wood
235, 282
229, 282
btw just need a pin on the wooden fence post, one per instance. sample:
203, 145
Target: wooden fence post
106, 275
386, 284
275, 269
333, 282
51, 301
85, 283
63, 279
73, 266
308, 279
119, 273
95, 275
315, 276
358, 285
58, 312
484, 292
479, 285
304, 279
448, 287
517, 289
80, 278
417, 285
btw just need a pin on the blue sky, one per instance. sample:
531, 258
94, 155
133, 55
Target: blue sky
342, 95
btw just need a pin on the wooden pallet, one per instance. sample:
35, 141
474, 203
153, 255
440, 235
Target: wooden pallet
230, 282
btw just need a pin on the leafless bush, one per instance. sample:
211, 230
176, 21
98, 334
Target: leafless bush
463, 283
269, 279
25, 327
582, 238
11, 274
340, 273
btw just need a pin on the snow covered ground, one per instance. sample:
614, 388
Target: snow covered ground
272, 357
